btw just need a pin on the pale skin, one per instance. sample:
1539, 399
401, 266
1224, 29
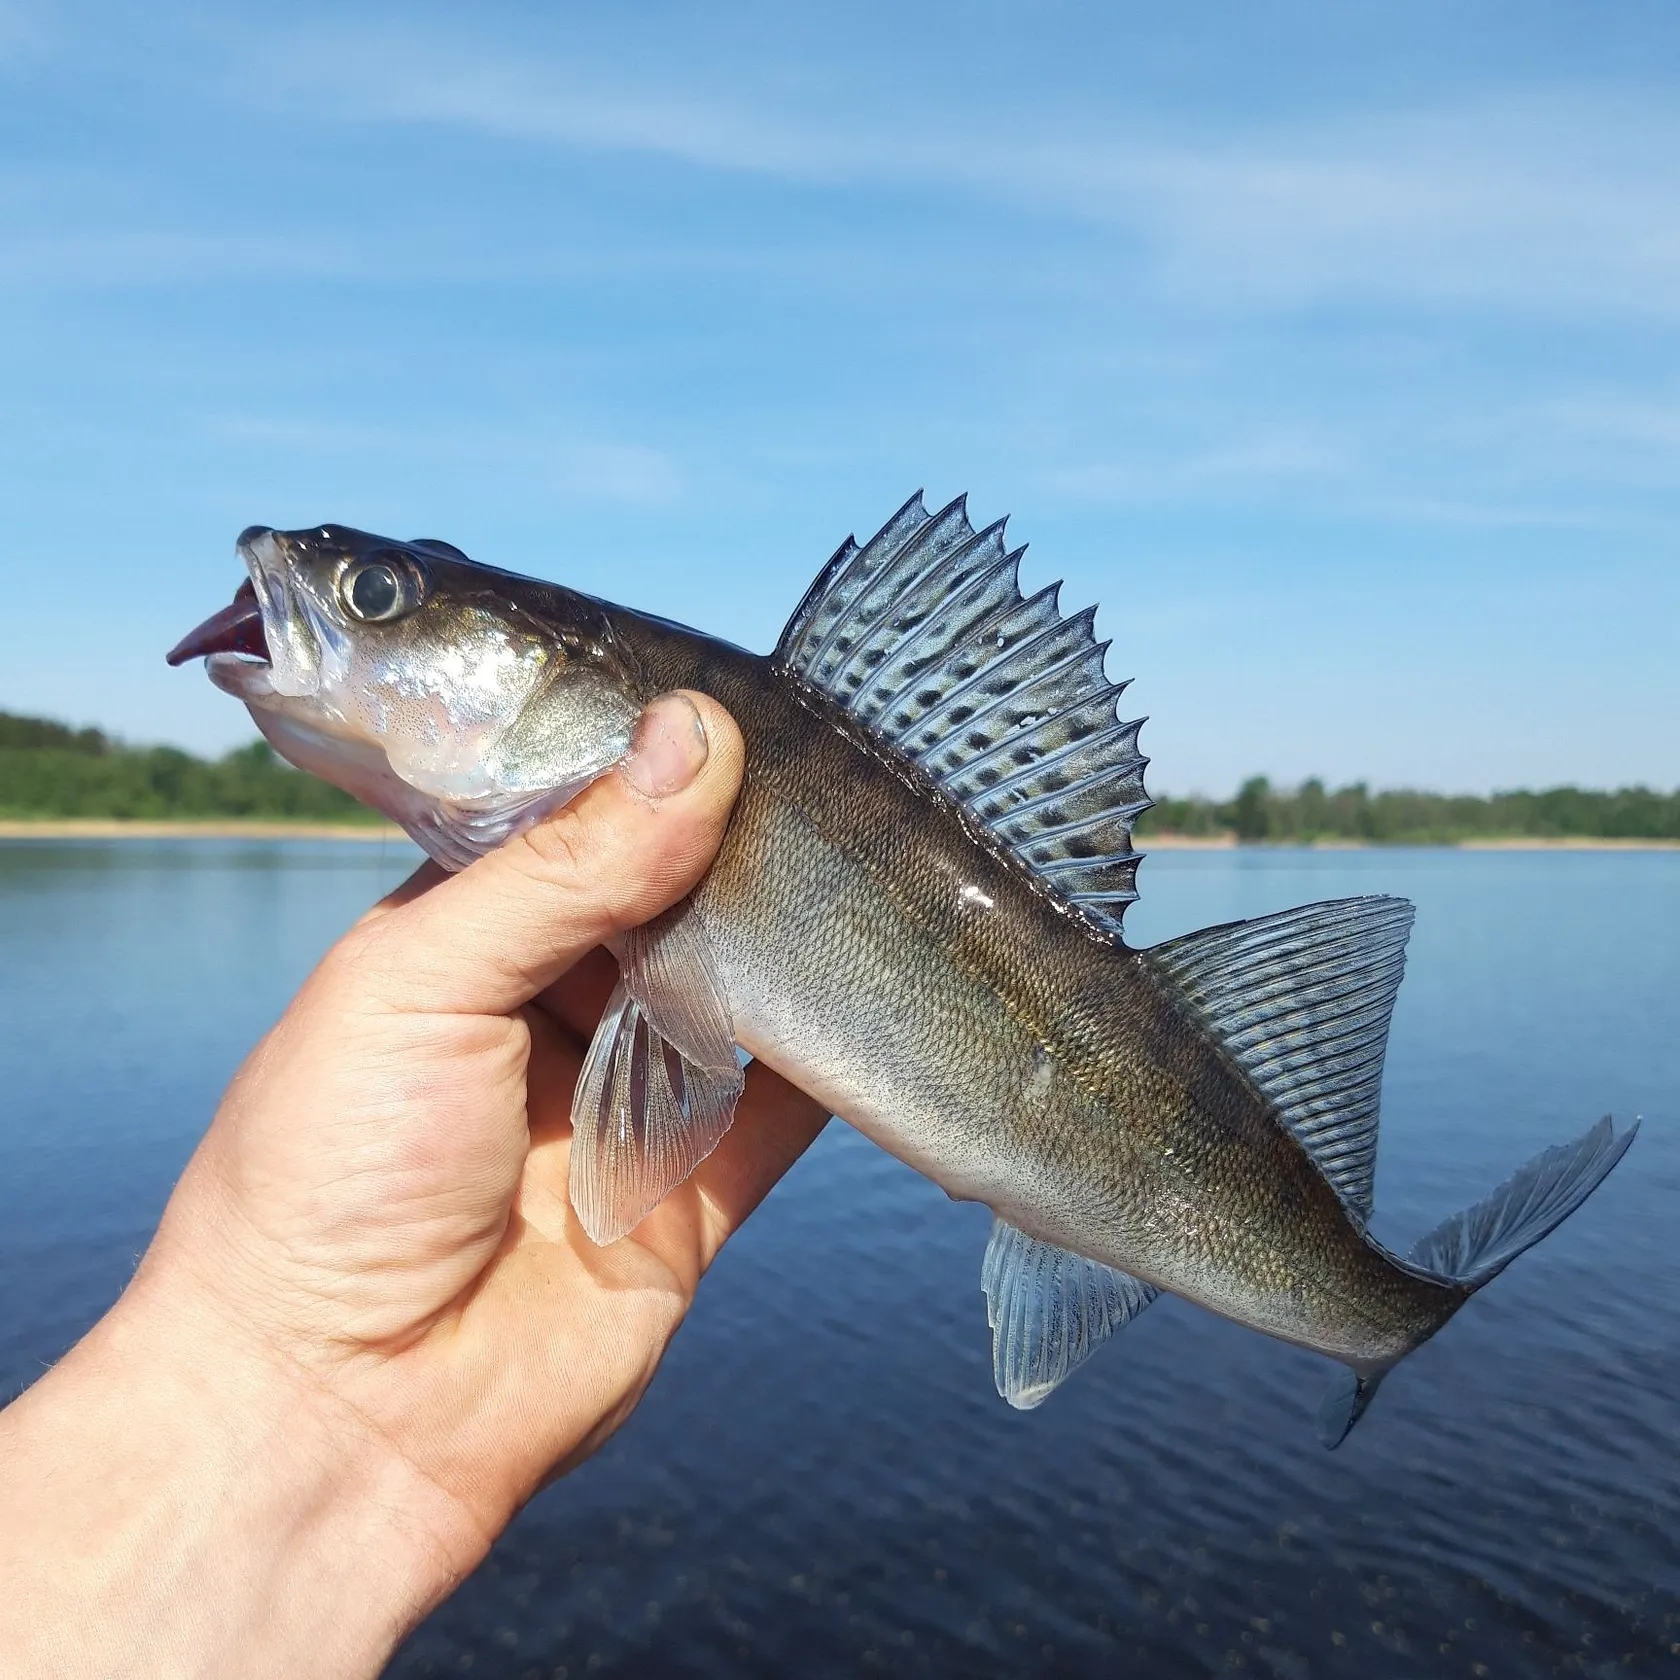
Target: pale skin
369, 1326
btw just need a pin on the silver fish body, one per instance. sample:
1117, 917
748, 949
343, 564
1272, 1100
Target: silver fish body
915, 916
888, 961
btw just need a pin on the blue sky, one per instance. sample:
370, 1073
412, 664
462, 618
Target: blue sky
1334, 350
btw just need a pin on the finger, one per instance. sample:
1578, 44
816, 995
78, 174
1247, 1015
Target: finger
578, 998
489, 939
775, 1123
544, 1193
427, 876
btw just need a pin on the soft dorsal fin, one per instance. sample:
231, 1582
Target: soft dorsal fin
923, 635
1301, 1001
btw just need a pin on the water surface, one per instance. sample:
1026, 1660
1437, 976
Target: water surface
822, 1481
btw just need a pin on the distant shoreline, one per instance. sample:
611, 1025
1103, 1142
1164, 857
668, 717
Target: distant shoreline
232, 828
1513, 843
214, 828
1582, 843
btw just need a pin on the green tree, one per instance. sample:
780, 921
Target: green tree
49, 770
1251, 812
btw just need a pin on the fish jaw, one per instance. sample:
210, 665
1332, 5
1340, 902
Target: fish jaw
277, 638
273, 641
281, 685
480, 696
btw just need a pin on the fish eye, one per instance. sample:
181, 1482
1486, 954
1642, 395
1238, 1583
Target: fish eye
376, 591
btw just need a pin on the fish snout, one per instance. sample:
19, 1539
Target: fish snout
238, 627
264, 549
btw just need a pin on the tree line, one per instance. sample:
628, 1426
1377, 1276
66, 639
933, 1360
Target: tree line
1261, 812
50, 770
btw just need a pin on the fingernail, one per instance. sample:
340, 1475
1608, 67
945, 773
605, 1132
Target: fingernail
667, 748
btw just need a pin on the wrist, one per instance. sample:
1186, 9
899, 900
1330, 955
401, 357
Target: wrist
177, 1501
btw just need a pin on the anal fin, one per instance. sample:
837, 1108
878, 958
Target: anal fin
1049, 1311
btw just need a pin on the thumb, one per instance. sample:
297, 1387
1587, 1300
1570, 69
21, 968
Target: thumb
488, 940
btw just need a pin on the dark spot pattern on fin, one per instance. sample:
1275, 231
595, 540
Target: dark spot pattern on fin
1049, 1311
924, 637
1301, 1001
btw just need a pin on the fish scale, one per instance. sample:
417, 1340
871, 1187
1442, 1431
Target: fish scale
916, 916
1021, 977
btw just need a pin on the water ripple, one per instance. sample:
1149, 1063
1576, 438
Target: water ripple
822, 1481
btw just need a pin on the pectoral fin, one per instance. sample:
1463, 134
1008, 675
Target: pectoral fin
660, 1082
456, 835
1049, 1311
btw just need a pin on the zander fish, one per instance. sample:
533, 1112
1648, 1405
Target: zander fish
915, 916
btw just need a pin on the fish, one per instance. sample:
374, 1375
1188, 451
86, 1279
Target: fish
916, 916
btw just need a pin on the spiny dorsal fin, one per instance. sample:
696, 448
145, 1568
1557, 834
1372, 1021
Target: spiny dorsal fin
1301, 1001
923, 635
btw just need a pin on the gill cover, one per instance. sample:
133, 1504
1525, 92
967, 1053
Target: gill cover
468, 704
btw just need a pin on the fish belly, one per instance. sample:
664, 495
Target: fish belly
847, 997
843, 994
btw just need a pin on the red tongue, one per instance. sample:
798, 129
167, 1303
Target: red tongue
237, 628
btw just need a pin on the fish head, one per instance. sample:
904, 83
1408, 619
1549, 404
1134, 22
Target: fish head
406, 673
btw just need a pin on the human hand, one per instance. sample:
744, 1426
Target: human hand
369, 1290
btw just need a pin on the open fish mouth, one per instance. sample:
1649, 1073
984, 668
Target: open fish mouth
237, 628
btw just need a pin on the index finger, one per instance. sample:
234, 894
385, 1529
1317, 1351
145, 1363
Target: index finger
488, 940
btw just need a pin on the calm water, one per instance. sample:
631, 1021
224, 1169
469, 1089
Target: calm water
822, 1481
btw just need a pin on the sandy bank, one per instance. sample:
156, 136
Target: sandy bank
1569, 843
96, 828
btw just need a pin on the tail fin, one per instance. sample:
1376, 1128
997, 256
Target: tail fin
1475, 1246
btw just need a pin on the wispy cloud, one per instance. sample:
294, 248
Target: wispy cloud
1545, 203
1485, 515
1337, 343
1650, 428
117, 256
1295, 472
1555, 203
543, 462
1269, 463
